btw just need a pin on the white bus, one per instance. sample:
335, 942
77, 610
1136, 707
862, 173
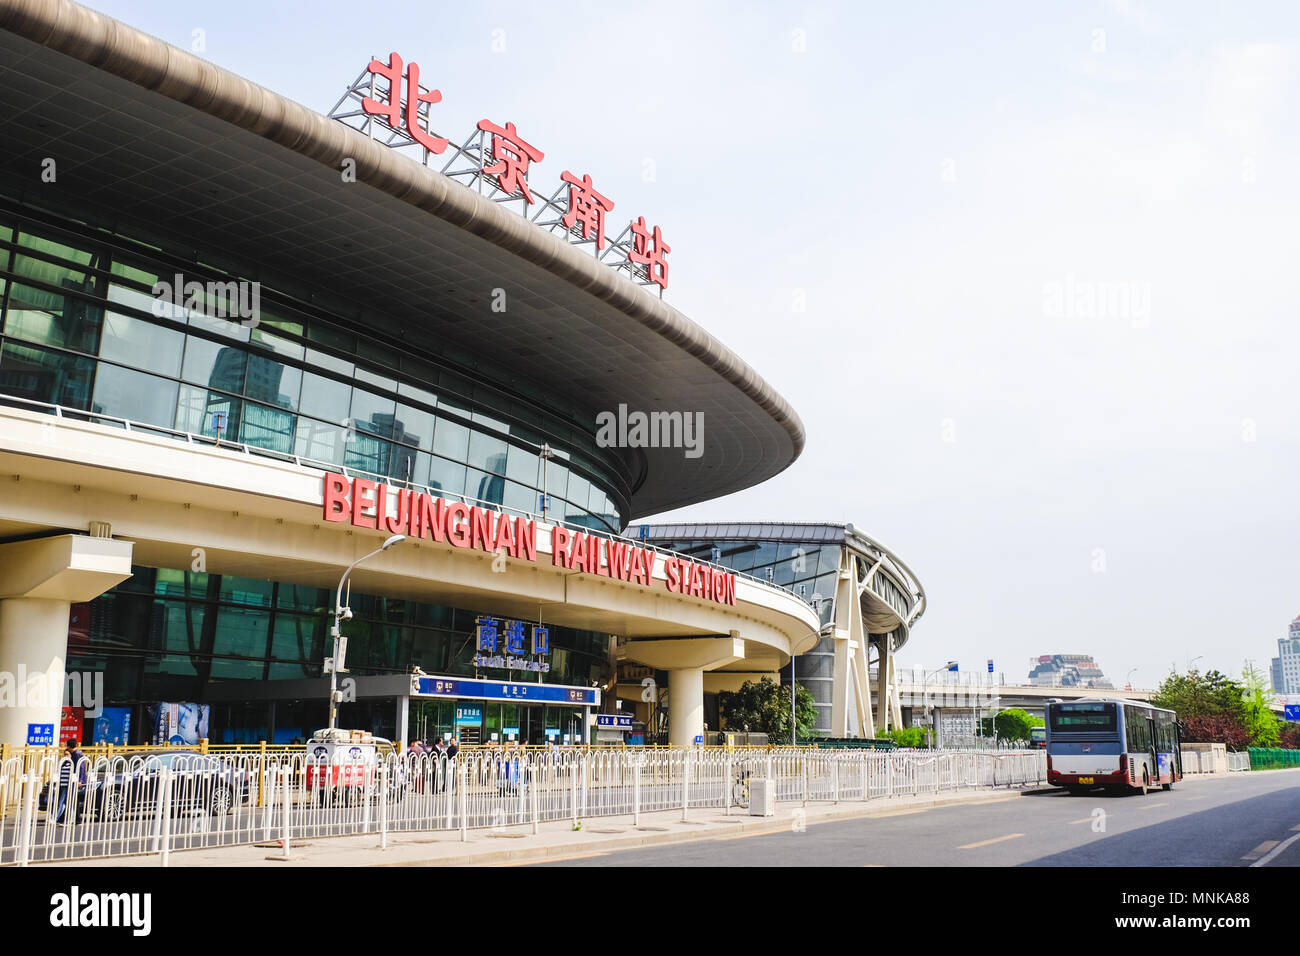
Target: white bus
1114, 743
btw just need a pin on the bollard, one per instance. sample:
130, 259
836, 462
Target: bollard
383, 807
726, 787
636, 794
286, 784
573, 792
532, 790
165, 805
462, 784
686, 786
25, 819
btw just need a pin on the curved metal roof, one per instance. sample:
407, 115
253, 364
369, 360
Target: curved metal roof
195, 159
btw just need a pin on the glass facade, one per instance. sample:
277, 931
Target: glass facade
167, 635
80, 327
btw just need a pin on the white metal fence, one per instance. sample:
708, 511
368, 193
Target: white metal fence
168, 802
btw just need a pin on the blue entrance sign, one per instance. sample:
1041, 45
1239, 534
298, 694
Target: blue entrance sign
469, 715
504, 690
614, 721
40, 735
1291, 711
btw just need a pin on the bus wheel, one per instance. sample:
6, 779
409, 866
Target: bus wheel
1146, 782
1170, 784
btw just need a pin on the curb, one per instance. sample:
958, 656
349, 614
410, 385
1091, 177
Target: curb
759, 827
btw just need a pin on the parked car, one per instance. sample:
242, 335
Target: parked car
199, 782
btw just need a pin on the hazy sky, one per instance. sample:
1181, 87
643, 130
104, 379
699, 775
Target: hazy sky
1029, 284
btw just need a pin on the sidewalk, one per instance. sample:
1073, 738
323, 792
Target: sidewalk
554, 839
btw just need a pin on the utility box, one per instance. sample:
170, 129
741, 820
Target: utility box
762, 797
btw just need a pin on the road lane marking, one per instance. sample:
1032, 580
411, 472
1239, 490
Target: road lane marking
972, 846
1082, 820
1277, 850
1154, 806
1260, 850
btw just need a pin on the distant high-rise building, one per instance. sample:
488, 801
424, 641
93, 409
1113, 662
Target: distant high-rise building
1286, 666
1067, 670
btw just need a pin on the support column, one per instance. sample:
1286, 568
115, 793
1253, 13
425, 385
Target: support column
39, 581
403, 723
33, 642
882, 684
685, 705
686, 660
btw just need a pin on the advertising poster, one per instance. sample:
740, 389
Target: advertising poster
70, 728
183, 724
112, 726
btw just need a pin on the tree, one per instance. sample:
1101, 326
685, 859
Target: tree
1201, 695
764, 707
1259, 720
1011, 725
1215, 730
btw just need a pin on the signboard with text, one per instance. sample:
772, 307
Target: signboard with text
504, 690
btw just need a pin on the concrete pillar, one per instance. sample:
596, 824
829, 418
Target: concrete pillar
33, 642
882, 685
39, 580
685, 705
686, 660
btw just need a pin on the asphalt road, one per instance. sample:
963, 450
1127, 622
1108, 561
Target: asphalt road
1234, 821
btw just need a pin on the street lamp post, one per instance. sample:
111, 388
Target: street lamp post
342, 614
1128, 684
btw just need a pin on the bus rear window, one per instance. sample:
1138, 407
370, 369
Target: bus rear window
1083, 718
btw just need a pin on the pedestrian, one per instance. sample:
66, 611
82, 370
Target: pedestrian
453, 748
74, 762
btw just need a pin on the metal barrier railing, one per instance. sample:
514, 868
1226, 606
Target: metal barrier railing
122, 804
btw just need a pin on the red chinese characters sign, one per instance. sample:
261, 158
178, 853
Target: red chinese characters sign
371, 504
511, 158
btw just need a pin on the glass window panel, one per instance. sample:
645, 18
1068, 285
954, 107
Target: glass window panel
48, 318
50, 247
331, 336
141, 344
45, 376
302, 597
382, 382
297, 637
451, 440
319, 441
223, 327
138, 299
51, 273
196, 408
419, 394
271, 382
241, 631
368, 454
487, 452
521, 498
522, 466
177, 583
267, 427
446, 475
214, 365
325, 398
128, 271
237, 670
328, 363
413, 426
496, 424
486, 488
372, 413
178, 627
237, 590
555, 479
579, 491
276, 344
282, 670
123, 393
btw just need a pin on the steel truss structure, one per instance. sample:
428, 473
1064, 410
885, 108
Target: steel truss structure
467, 165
